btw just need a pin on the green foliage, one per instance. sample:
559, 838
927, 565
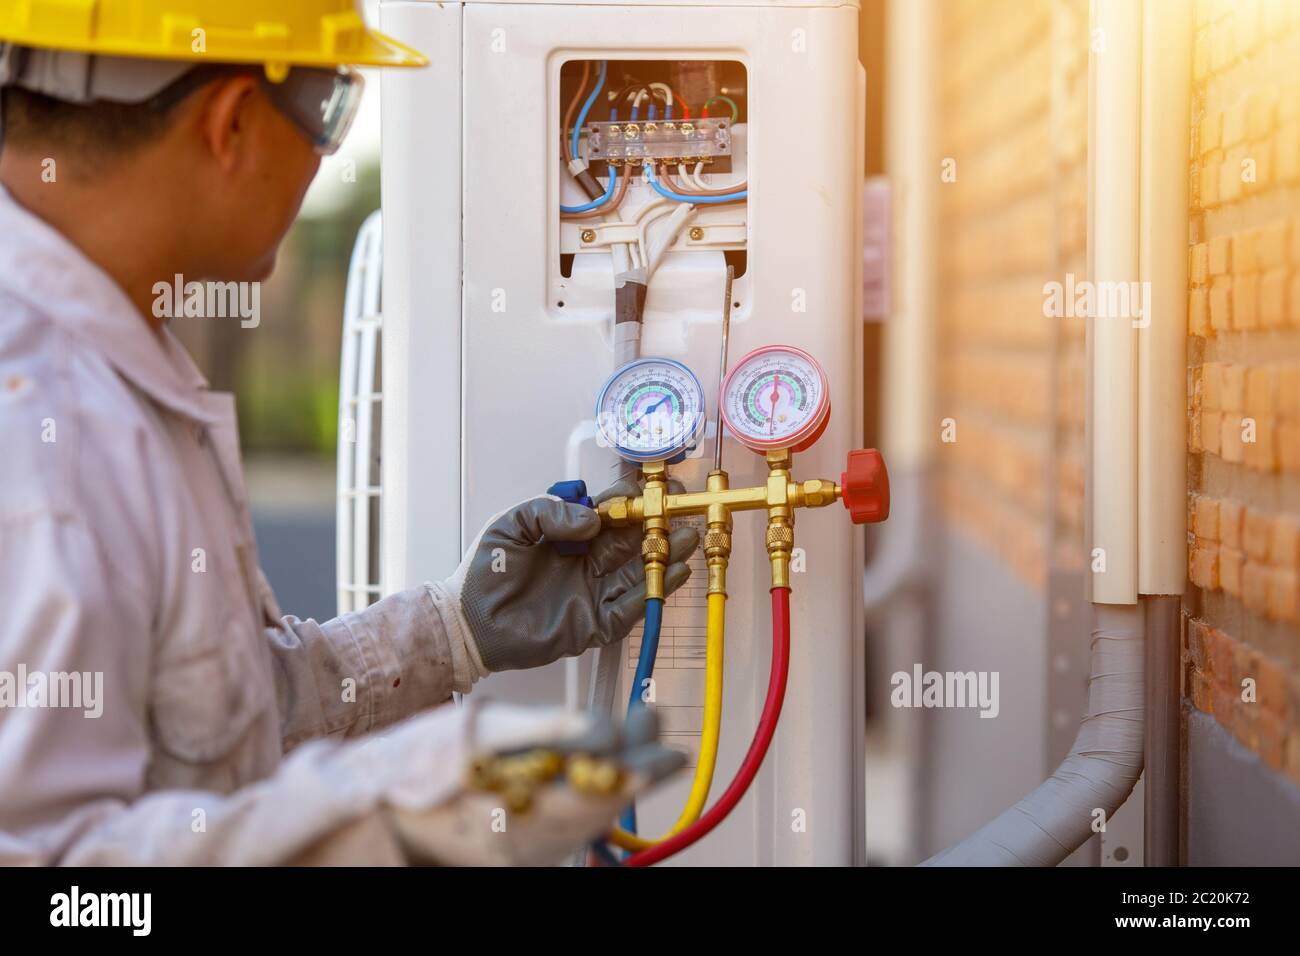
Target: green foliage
286, 372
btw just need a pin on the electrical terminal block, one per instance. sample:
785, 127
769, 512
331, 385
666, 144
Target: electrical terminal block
668, 141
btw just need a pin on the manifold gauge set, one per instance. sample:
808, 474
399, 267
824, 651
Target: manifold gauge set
653, 409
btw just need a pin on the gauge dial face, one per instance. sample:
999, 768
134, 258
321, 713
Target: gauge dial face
651, 410
775, 397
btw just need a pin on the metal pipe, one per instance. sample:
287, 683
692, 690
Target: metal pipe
722, 364
1163, 731
1095, 779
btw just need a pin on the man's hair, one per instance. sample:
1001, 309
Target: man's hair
35, 120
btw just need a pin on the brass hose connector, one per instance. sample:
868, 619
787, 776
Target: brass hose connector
717, 535
779, 496
593, 775
654, 546
515, 777
780, 517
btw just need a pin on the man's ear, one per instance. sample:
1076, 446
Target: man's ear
225, 118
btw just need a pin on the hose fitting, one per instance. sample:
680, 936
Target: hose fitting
654, 545
717, 536
780, 517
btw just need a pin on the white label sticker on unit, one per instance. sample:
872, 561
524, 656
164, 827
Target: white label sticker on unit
679, 665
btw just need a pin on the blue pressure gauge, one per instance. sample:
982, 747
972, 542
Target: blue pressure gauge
651, 409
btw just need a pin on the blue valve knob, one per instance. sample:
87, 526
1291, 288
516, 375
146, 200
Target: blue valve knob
574, 492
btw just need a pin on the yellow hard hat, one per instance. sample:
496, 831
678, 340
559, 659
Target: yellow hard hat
277, 33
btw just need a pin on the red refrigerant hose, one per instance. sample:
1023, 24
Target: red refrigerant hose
757, 750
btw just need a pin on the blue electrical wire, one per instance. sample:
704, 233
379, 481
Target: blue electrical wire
645, 666
586, 107
609, 191
669, 194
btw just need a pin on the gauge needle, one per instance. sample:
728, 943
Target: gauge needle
776, 397
653, 408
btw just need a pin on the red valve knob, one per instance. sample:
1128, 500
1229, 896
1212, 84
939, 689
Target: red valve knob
865, 486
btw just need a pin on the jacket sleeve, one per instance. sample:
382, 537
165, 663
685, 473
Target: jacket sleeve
366, 669
310, 810
74, 782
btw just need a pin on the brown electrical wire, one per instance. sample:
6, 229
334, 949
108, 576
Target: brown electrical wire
573, 108
610, 206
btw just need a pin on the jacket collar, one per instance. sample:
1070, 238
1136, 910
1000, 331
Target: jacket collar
53, 277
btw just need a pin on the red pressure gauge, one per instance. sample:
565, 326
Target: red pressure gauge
776, 397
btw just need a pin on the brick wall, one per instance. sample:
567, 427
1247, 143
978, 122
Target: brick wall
1242, 634
1013, 203
1070, 145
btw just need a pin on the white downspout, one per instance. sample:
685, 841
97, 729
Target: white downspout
1114, 109
1162, 340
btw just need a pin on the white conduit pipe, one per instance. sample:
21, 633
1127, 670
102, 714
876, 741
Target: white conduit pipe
1098, 774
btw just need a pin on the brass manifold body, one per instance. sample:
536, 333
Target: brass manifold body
656, 507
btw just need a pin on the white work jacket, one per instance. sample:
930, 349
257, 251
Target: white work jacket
127, 557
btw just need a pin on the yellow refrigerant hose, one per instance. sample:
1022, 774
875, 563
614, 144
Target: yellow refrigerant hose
717, 610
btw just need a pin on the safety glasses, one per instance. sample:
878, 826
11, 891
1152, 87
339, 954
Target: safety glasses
322, 103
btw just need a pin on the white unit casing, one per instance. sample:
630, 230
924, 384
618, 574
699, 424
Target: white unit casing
489, 381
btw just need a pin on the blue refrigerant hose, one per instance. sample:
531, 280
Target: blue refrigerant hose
645, 666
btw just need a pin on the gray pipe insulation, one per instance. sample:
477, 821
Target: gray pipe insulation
1057, 817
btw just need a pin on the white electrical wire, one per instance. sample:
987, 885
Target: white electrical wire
691, 178
650, 206
666, 90
676, 221
641, 231
654, 206
635, 251
694, 177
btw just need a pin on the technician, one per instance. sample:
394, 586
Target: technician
137, 148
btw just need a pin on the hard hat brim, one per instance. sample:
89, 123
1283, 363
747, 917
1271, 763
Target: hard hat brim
374, 49
383, 50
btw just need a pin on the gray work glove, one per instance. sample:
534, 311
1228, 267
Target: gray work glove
499, 819
515, 602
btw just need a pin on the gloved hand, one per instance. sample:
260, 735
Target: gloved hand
543, 782
516, 603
